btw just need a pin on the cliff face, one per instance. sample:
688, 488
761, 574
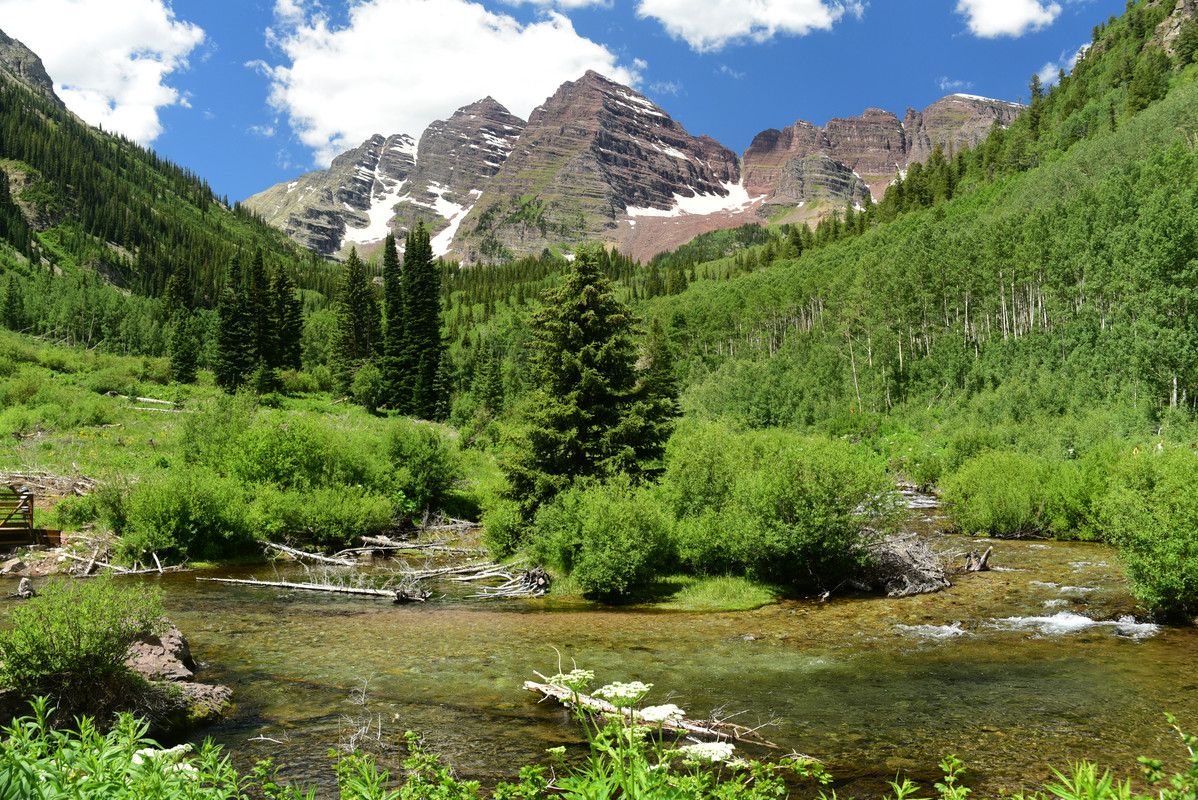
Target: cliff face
598, 161
872, 146
392, 184
20, 64
325, 209
591, 152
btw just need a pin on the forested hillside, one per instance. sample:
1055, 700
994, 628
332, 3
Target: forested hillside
82, 210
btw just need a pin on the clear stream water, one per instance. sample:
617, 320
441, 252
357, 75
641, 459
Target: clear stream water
1036, 663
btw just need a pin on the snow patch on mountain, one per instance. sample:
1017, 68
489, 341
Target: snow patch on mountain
736, 200
382, 208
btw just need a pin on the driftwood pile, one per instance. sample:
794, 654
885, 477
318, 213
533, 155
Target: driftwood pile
45, 483
903, 565
525, 583
720, 730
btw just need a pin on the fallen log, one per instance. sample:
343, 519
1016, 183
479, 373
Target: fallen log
401, 595
712, 729
976, 563
300, 554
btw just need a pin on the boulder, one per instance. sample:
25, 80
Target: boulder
165, 657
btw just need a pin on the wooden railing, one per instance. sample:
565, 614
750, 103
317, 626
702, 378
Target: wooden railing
16, 518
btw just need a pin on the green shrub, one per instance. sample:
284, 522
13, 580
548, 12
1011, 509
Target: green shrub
211, 436
425, 465
998, 494
610, 538
23, 386
773, 504
334, 516
69, 642
1151, 514
123, 764
504, 529
119, 378
187, 511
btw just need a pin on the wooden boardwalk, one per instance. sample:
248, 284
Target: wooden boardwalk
16, 520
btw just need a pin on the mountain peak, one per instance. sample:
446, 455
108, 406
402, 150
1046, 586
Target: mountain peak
23, 66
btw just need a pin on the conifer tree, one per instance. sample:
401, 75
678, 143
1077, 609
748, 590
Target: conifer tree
357, 322
392, 373
260, 310
185, 348
13, 312
585, 414
234, 358
288, 318
422, 324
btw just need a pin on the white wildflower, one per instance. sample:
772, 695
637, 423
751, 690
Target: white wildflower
624, 694
707, 752
669, 712
575, 680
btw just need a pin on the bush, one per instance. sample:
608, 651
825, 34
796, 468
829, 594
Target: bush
1018, 494
773, 504
998, 494
610, 538
424, 464
333, 516
69, 642
1151, 514
504, 529
120, 765
188, 511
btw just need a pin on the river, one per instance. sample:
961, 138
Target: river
1037, 662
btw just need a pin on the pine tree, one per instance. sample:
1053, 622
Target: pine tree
582, 417
422, 325
393, 378
356, 322
288, 318
260, 311
13, 312
185, 348
234, 358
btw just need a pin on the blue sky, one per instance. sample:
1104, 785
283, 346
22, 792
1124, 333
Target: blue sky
248, 93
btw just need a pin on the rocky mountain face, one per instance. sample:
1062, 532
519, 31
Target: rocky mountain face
871, 147
599, 161
592, 155
20, 64
393, 183
322, 209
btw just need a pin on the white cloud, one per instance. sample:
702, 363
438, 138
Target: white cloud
109, 58
561, 3
730, 72
666, 87
709, 25
1049, 73
397, 65
947, 84
992, 18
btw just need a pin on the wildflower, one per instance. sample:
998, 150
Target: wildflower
575, 680
558, 752
669, 711
624, 694
707, 752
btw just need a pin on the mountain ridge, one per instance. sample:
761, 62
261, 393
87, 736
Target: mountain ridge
600, 161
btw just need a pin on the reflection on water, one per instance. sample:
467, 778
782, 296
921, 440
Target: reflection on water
1031, 665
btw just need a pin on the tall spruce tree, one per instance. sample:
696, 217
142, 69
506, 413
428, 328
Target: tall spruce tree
355, 339
185, 347
234, 358
586, 414
422, 325
394, 379
288, 318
